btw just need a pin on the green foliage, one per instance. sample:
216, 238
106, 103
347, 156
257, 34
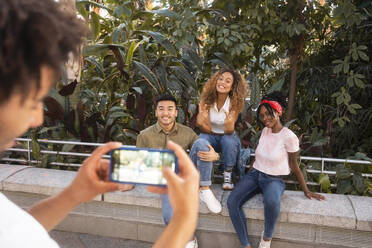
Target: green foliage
136, 52
324, 182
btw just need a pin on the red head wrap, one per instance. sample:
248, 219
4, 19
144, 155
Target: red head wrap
275, 105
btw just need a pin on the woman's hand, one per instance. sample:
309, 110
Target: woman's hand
292, 159
229, 123
203, 112
312, 195
208, 156
202, 120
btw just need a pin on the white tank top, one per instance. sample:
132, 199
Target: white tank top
217, 118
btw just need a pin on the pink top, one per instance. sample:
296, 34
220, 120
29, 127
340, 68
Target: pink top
272, 151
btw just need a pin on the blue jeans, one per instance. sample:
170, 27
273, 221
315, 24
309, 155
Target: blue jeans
166, 209
229, 145
252, 183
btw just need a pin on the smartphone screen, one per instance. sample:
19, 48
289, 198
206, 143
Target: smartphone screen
141, 165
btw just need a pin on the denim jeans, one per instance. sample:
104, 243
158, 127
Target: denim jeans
252, 183
229, 145
166, 209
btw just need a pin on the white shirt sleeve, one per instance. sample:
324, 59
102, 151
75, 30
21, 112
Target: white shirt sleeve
19, 229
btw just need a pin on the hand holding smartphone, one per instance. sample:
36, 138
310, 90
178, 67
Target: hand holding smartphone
132, 165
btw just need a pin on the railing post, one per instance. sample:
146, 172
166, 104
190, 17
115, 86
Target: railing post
28, 152
322, 166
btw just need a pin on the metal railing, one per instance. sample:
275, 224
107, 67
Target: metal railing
31, 161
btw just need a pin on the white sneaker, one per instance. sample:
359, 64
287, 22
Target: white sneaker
227, 184
207, 196
192, 244
263, 243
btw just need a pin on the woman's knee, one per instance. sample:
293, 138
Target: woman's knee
200, 145
232, 200
272, 202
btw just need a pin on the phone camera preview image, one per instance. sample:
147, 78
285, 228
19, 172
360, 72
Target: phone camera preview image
141, 165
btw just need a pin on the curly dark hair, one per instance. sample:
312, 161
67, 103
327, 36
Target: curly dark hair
237, 94
34, 34
274, 96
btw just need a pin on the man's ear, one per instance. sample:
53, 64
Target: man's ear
176, 112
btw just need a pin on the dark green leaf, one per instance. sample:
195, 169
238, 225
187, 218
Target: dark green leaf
185, 77
149, 76
218, 62
96, 26
35, 146
363, 56
277, 86
163, 41
358, 182
194, 57
342, 172
118, 114
344, 186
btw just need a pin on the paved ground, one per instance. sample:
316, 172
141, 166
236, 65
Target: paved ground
82, 240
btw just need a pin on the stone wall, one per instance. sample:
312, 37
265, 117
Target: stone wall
340, 221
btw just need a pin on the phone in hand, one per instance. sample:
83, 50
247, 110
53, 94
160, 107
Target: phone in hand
132, 165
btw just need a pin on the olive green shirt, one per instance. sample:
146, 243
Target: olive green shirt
155, 137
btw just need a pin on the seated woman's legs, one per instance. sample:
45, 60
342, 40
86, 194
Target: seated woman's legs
204, 167
230, 146
205, 170
272, 190
246, 188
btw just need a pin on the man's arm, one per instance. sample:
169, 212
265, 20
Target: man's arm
90, 181
140, 142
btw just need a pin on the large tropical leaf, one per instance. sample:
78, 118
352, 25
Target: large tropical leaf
193, 57
95, 25
55, 110
149, 76
277, 86
184, 76
131, 50
255, 93
68, 89
161, 40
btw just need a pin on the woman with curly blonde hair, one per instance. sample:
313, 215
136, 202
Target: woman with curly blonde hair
222, 100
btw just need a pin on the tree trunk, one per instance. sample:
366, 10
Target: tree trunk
295, 59
292, 87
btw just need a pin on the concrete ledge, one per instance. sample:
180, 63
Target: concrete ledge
340, 221
37, 180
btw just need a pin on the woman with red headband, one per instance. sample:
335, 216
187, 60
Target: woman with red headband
276, 156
